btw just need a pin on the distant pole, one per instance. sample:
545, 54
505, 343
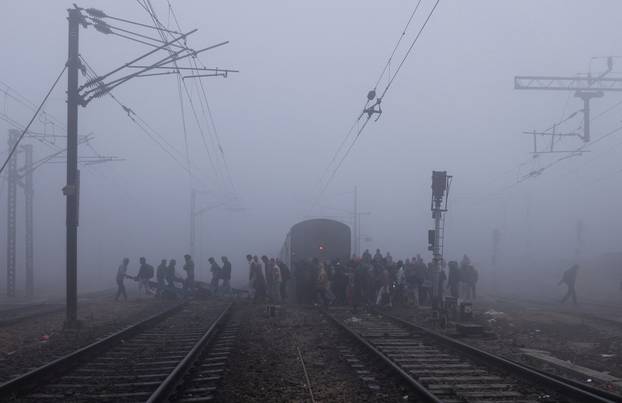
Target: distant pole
193, 204
71, 190
355, 222
496, 237
11, 243
29, 207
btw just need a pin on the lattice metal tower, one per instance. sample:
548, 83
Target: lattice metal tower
11, 243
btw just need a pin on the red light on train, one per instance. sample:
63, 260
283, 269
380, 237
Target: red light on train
322, 248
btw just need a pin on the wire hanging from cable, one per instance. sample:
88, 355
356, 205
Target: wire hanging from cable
375, 108
21, 136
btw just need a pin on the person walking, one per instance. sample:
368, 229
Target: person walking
170, 274
267, 269
216, 272
285, 276
121, 274
145, 273
251, 277
161, 277
260, 281
471, 280
453, 281
570, 279
189, 269
276, 282
226, 275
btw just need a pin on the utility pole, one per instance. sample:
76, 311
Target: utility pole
193, 214
11, 218
97, 87
29, 213
496, 238
71, 190
355, 221
585, 87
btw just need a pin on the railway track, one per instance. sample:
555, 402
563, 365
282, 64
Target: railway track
154, 360
440, 369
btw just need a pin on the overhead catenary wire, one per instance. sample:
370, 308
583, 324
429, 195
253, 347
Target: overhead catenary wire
207, 114
209, 110
34, 116
144, 126
147, 6
378, 99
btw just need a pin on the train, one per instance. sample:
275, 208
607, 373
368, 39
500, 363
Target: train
319, 238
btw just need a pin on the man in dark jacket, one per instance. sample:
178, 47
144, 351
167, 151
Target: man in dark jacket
570, 278
145, 272
285, 276
226, 275
216, 272
453, 282
189, 269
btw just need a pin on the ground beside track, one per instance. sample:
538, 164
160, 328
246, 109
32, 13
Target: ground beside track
23, 345
574, 335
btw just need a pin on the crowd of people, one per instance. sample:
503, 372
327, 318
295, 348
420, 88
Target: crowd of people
381, 280
364, 280
267, 279
168, 284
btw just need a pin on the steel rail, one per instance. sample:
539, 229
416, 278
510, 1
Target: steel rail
421, 390
37, 376
583, 395
168, 385
307, 379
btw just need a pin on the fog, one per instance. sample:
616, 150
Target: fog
305, 70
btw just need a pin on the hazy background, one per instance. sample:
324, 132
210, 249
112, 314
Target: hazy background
305, 70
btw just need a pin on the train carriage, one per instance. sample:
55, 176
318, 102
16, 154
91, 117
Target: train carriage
319, 238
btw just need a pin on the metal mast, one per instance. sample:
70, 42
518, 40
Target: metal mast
355, 226
193, 214
440, 193
11, 218
585, 87
71, 190
29, 204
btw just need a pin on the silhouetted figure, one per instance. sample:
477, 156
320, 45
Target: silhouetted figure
216, 271
145, 272
226, 275
453, 282
442, 277
366, 256
251, 277
285, 276
189, 269
267, 269
121, 274
570, 278
276, 282
340, 285
170, 273
260, 281
161, 276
